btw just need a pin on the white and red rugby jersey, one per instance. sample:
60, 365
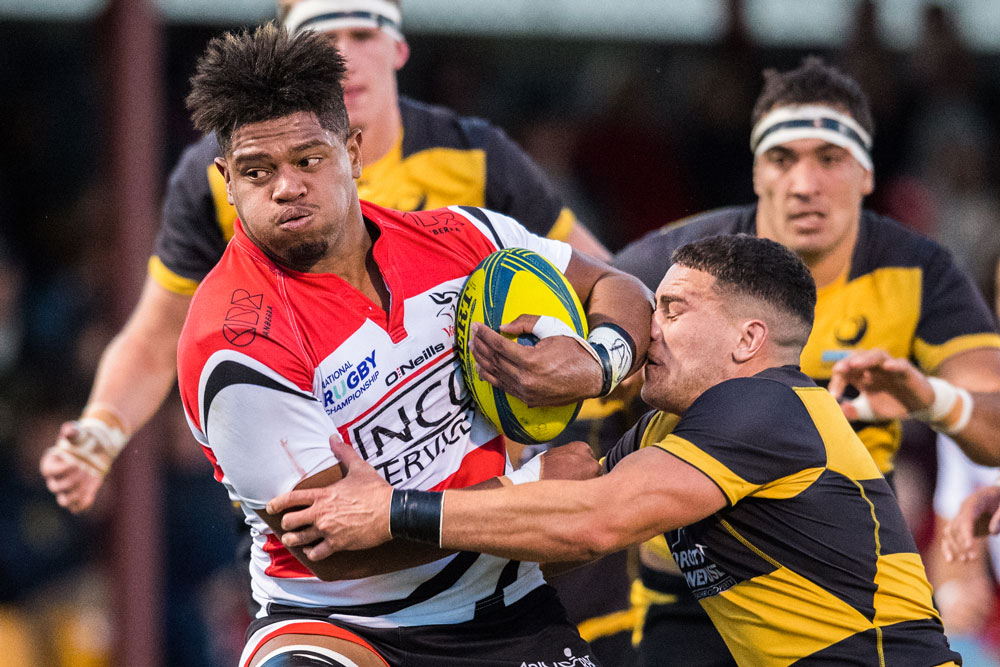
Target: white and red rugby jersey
272, 361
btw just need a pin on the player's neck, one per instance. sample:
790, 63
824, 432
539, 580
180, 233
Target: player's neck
828, 267
381, 134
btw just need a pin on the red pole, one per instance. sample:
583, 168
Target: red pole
133, 122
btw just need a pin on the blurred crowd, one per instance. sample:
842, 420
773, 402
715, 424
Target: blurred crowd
635, 134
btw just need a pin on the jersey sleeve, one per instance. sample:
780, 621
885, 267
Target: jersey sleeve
651, 428
505, 232
517, 187
191, 239
265, 434
954, 316
732, 435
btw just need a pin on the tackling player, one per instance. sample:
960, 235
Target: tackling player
896, 319
786, 531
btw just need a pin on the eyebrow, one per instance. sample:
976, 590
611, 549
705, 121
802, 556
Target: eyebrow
257, 156
667, 299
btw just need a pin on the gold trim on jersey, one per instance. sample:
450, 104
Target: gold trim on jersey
658, 428
841, 456
563, 225
599, 408
880, 309
931, 356
225, 213
641, 598
785, 617
731, 484
895, 573
608, 624
169, 280
427, 179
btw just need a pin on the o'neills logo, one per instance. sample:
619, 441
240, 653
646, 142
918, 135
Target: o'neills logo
392, 377
240, 325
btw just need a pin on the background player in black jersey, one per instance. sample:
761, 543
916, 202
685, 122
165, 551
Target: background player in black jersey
786, 531
893, 308
414, 156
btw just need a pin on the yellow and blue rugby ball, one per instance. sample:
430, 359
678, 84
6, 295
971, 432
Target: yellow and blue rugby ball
509, 283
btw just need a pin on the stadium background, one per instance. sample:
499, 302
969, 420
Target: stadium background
638, 110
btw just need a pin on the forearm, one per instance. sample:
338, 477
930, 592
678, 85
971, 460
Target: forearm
978, 439
138, 368
135, 376
550, 521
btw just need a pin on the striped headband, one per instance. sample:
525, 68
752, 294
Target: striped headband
789, 123
326, 15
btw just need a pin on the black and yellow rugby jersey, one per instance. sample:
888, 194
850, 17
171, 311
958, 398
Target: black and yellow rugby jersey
811, 561
903, 292
442, 159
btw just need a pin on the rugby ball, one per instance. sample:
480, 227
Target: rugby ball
509, 283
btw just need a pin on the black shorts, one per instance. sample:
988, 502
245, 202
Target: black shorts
532, 632
679, 633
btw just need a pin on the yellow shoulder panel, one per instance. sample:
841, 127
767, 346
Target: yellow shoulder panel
225, 214
169, 280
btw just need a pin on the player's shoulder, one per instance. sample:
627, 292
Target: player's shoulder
728, 220
434, 126
883, 241
750, 403
195, 160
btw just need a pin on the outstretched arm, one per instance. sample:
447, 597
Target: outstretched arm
647, 493
135, 375
312, 504
893, 388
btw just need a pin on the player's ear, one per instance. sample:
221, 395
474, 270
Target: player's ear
753, 335
402, 54
223, 167
354, 152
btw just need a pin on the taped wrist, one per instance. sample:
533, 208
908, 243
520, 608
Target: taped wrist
97, 444
529, 472
615, 350
951, 409
416, 515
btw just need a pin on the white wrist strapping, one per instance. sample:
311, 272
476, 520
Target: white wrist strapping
97, 446
547, 326
529, 472
939, 414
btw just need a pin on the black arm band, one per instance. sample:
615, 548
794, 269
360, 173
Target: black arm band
416, 515
607, 376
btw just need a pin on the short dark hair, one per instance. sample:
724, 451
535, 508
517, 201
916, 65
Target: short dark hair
756, 267
250, 77
814, 82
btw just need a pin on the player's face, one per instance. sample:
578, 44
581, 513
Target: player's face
373, 57
292, 183
809, 196
692, 335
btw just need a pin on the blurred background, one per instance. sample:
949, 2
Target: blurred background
639, 111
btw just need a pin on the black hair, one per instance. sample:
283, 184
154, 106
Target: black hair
814, 82
751, 266
250, 77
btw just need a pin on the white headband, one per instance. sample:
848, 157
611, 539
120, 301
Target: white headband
326, 15
789, 123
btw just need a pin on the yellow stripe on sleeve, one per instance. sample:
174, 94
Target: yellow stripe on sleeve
563, 224
930, 356
169, 280
734, 486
